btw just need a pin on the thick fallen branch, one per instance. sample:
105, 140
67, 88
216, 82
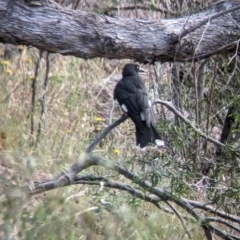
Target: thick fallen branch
48, 26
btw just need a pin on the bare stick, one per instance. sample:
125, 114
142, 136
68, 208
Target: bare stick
76, 4
210, 209
214, 219
42, 100
170, 106
104, 133
101, 181
180, 218
210, 101
193, 28
197, 120
33, 87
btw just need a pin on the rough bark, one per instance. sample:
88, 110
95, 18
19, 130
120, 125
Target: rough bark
48, 26
177, 76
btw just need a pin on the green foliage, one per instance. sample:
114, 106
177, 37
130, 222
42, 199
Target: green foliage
74, 100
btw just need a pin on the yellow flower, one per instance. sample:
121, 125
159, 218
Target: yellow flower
98, 119
31, 77
117, 151
9, 71
6, 62
20, 47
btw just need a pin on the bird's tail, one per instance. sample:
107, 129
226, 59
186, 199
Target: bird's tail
149, 135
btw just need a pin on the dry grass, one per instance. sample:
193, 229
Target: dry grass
78, 91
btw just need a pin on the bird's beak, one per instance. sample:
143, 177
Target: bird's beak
141, 71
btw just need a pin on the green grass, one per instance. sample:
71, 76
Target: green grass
73, 101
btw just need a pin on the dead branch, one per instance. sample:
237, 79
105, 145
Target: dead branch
87, 161
42, 100
203, 22
51, 27
154, 196
171, 107
104, 133
214, 219
180, 218
206, 207
33, 88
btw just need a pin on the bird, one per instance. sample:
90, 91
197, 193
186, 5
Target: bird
132, 96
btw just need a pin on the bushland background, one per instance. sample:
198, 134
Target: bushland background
52, 108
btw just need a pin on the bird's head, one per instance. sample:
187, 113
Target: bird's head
131, 69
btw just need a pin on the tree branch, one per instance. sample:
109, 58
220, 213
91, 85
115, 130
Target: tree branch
194, 27
104, 133
42, 100
213, 219
162, 195
170, 106
180, 218
33, 88
53, 28
213, 210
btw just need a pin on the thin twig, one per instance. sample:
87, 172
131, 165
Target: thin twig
210, 101
235, 66
197, 121
76, 5
193, 28
210, 209
214, 219
42, 100
180, 218
33, 87
135, 8
104, 133
170, 106
219, 50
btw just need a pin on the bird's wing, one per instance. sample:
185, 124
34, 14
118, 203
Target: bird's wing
132, 96
128, 87
143, 106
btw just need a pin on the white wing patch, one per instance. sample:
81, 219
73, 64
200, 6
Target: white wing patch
159, 143
142, 115
124, 108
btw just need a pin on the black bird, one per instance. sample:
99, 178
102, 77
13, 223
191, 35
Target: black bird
132, 96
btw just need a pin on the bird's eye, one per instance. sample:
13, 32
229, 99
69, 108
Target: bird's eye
137, 67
